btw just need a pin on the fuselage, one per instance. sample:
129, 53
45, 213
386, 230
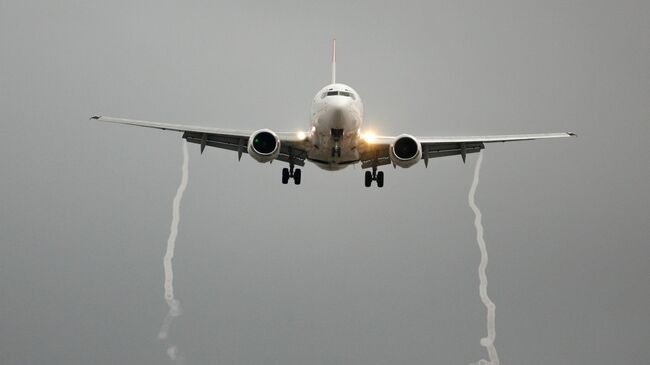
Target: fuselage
336, 117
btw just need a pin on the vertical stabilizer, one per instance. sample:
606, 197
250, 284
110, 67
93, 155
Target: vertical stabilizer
334, 61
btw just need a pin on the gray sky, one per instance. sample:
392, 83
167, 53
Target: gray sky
328, 272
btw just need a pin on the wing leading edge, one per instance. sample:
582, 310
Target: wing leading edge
376, 153
228, 139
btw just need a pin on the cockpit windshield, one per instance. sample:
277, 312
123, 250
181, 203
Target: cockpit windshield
342, 93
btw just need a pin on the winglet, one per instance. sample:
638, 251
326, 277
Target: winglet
334, 61
572, 134
95, 117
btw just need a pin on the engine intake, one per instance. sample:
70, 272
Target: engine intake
406, 151
264, 146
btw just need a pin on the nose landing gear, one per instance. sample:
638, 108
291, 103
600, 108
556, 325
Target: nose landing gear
336, 134
336, 150
374, 176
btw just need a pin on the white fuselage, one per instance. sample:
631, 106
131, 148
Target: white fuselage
336, 116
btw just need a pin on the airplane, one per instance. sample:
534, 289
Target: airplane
334, 140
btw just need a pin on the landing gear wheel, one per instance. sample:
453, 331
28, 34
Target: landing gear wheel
368, 179
374, 176
285, 175
297, 176
380, 179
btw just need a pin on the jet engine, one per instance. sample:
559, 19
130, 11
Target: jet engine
264, 146
405, 151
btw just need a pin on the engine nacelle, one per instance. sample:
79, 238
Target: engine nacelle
264, 146
406, 151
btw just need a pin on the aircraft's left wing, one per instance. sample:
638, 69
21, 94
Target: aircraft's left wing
376, 152
229, 139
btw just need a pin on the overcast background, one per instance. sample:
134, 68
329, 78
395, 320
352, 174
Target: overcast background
328, 272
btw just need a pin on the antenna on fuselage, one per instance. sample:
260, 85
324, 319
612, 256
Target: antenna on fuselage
334, 61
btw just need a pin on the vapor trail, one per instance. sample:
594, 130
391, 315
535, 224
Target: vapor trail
172, 302
487, 342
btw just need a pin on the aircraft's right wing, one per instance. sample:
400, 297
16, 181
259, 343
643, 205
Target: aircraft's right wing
376, 151
229, 139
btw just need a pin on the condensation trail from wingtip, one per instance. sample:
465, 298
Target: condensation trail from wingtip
172, 302
487, 342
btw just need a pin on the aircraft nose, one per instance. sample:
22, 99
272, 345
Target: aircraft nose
338, 102
339, 114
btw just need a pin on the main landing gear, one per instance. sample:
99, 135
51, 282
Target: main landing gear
288, 173
375, 176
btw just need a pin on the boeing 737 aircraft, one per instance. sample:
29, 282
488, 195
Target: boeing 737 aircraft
334, 139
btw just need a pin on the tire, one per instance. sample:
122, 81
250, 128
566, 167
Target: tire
297, 175
380, 179
285, 175
368, 179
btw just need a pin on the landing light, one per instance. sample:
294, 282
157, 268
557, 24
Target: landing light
369, 137
301, 135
